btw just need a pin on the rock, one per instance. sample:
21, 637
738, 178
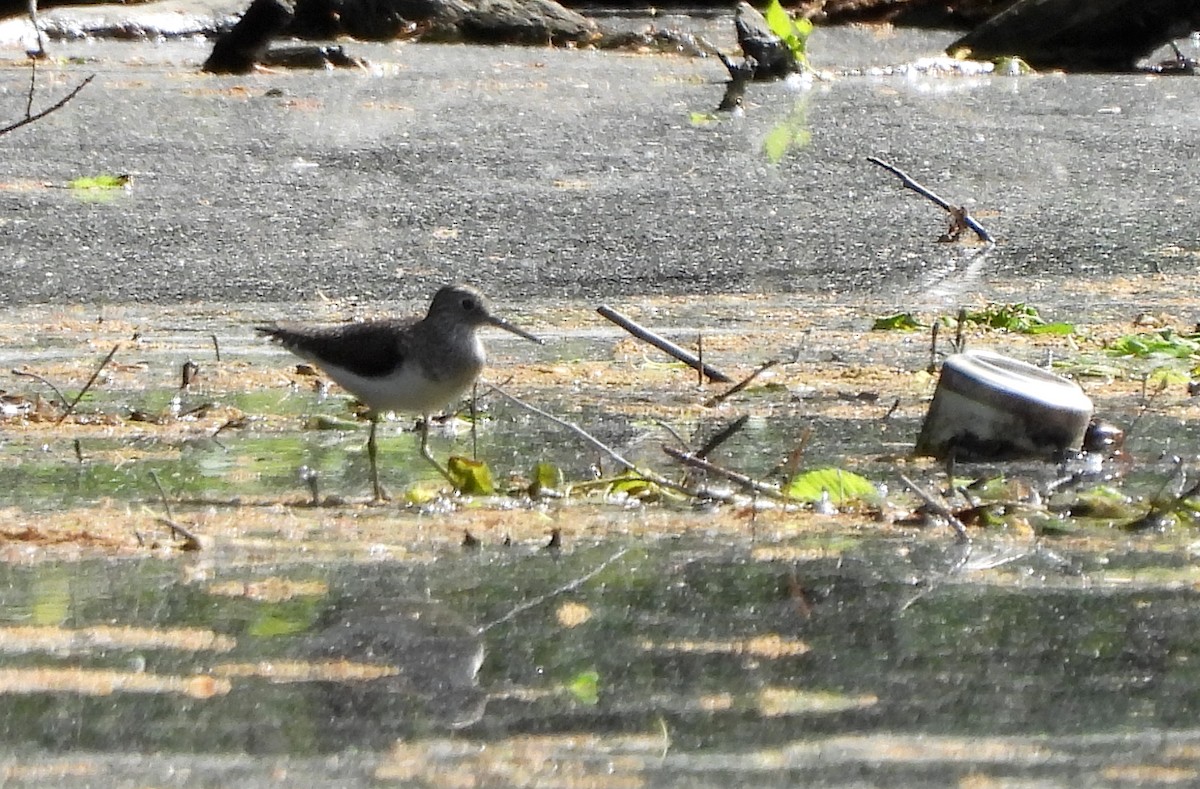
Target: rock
772, 57
481, 21
243, 47
525, 22
1099, 35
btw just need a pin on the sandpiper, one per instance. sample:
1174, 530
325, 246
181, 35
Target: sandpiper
402, 365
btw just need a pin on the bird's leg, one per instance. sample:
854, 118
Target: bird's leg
372, 454
425, 453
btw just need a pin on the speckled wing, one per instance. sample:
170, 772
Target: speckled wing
370, 349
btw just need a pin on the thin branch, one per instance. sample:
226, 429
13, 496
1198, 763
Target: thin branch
32, 87
568, 587
162, 494
42, 381
52, 108
939, 508
88, 385
674, 433
749, 483
740, 385
579, 431
723, 435
955, 212
190, 541
663, 344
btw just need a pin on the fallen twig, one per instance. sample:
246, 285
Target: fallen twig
162, 494
958, 214
30, 116
62, 399
761, 488
722, 436
568, 587
740, 385
88, 385
663, 344
190, 541
576, 429
939, 508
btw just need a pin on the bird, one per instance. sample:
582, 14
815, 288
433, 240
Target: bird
414, 365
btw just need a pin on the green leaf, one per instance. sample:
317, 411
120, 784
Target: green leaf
547, 479
634, 486
840, 485
1052, 328
471, 477
104, 181
901, 321
703, 118
1164, 342
585, 687
1020, 318
794, 32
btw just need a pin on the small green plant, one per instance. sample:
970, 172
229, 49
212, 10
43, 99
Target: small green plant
794, 32
900, 321
1164, 342
1019, 318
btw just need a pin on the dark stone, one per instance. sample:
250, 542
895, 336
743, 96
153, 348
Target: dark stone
525, 22
771, 55
311, 56
1100, 35
482, 21
243, 47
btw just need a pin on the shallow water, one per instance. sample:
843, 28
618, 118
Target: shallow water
829, 661
662, 643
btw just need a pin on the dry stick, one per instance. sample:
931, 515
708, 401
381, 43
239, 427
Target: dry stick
912, 184
740, 385
576, 429
663, 344
38, 116
216, 347
88, 385
733, 476
722, 436
939, 508
190, 541
568, 587
162, 494
595, 442
42, 381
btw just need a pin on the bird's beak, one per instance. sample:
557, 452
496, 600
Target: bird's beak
500, 323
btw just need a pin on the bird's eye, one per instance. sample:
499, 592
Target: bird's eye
468, 304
